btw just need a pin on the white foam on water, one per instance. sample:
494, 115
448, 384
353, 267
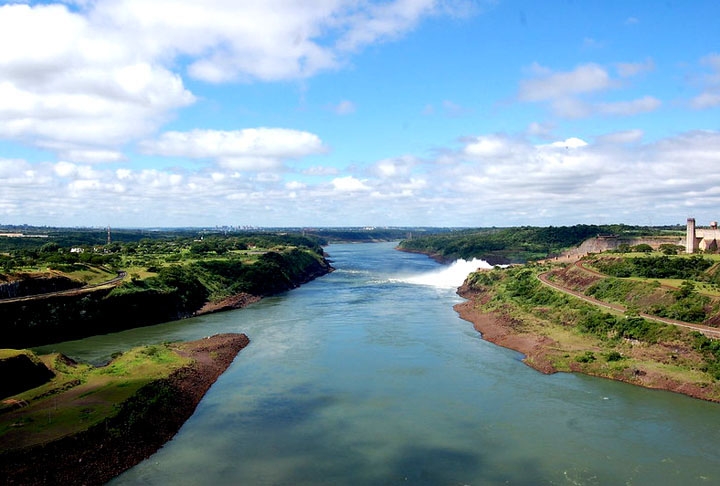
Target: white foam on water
451, 276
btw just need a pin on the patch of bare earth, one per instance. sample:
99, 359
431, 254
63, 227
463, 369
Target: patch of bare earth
146, 422
237, 301
508, 333
574, 278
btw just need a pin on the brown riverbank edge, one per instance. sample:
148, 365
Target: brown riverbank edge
145, 422
237, 301
539, 351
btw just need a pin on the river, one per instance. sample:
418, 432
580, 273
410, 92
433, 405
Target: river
368, 376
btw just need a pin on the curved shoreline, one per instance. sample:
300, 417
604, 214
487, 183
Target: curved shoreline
537, 351
144, 424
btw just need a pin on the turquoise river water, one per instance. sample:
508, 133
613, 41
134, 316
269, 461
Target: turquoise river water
368, 376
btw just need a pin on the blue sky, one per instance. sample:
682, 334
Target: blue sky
359, 112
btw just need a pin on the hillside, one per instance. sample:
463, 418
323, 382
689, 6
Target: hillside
526, 243
596, 324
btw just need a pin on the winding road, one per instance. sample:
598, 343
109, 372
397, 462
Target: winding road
113, 282
708, 331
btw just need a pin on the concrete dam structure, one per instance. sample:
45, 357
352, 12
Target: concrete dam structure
701, 239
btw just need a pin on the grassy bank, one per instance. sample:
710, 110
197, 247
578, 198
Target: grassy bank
80, 395
90, 424
563, 333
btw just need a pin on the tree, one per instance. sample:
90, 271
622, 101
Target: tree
51, 247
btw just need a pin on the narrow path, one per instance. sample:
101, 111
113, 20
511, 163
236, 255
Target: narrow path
113, 282
708, 331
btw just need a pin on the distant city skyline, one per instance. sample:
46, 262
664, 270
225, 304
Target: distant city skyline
332, 113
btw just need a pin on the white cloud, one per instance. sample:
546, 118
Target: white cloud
345, 107
251, 149
586, 78
569, 94
706, 100
396, 167
572, 142
630, 69
74, 89
627, 136
710, 97
108, 72
485, 180
490, 146
320, 171
628, 108
349, 184
538, 129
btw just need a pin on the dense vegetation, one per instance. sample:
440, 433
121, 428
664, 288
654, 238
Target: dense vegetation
505, 245
518, 288
521, 285
663, 266
166, 278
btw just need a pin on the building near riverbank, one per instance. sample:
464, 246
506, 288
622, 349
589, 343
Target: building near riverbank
701, 239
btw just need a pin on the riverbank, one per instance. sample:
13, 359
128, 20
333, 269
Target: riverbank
146, 421
551, 349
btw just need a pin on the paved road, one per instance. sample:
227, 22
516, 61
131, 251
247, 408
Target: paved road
708, 331
113, 282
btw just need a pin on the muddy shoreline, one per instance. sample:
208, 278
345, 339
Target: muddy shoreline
146, 422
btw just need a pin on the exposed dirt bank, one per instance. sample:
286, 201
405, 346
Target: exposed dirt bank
237, 301
499, 330
541, 352
146, 422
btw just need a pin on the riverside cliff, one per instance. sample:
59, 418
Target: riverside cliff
175, 293
142, 424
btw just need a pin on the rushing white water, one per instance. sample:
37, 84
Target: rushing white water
451, 276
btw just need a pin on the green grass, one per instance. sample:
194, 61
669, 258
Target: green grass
91, 275
11, 353
81, 395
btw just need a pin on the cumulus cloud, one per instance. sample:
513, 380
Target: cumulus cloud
395, 167
628, 108
710, 96
349, 184
109, 72
571, 94
251, 149
489, 179
586, 78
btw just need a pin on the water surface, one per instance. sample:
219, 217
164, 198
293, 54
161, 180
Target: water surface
367, 376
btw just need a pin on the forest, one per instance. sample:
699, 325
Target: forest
519, 244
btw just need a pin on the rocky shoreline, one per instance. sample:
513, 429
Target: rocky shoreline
146, 421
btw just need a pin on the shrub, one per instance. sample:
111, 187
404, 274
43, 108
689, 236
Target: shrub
587, 357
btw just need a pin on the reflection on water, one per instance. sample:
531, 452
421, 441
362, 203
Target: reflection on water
364, 377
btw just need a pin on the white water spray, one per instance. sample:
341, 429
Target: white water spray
451, 276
